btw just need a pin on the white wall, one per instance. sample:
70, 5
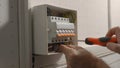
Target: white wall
115, 13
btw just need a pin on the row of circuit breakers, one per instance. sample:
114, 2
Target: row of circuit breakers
60, 29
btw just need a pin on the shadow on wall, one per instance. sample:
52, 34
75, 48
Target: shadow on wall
9, 34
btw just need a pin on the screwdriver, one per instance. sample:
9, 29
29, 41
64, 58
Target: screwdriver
102, 41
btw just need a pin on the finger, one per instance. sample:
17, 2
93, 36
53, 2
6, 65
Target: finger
65, 49
78, 48
117, 33
111, 32
68, 52
75, 47
114, 47
71, 46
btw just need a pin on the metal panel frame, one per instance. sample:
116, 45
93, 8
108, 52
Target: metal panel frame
25, 34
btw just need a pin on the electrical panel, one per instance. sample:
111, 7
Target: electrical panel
52, 27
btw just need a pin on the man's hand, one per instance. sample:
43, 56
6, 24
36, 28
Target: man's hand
114, 46
78, 57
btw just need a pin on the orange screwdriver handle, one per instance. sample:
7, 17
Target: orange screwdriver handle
100, 41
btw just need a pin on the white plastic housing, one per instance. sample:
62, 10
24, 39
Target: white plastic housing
46, 28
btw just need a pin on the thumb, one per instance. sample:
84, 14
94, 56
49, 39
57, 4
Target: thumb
65, 49
114, 47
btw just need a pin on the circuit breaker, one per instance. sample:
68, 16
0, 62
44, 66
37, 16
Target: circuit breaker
52, 27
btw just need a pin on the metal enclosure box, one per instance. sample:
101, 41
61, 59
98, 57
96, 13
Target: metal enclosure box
43, 24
